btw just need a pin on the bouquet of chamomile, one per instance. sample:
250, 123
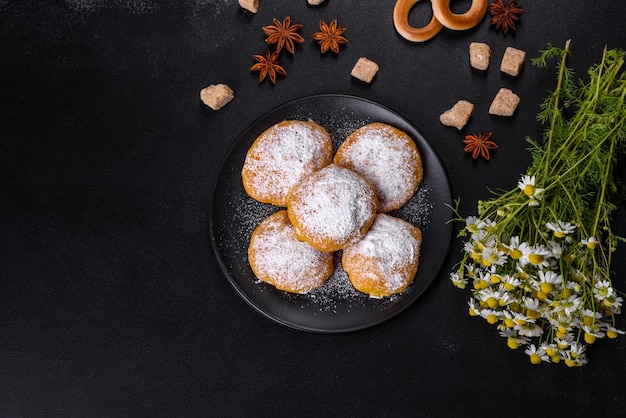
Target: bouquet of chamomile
539, 256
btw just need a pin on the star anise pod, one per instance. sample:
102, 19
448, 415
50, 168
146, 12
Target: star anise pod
330, 36
268, 66
283, 34
504, 14
479, 145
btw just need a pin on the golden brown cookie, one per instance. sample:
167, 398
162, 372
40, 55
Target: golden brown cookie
332, 208
385, 261
388, 158
279, 258
281, 156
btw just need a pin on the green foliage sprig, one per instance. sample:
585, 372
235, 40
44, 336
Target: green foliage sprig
539, 255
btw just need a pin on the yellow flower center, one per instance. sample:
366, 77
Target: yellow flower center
529, 190
611, 334
472, 312
492, 302
541, 295
591, 245
552, 351
535, 258
512, 343
587, 320
486, 262
570, 362
546, 287
509, 286
492, 319
607, 302
559, 234
510, 323
495, 278
532, 314
555, 359
515, 254
535, 359
589, 338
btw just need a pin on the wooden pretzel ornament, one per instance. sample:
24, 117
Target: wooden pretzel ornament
442, 17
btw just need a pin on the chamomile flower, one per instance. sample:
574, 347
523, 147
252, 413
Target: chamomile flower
551, 349
510, 282
473, 307
577, 349
613, 332
529, 329
492, 256
603, 289
537, 255
514, 341
458, 280
491, 316
573, 360
549, 281
565, 341
528, 187
537, 355
570, 305
473, 224
590, 242
560, 228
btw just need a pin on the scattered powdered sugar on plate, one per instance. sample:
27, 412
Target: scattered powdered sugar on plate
337, 294
417, 210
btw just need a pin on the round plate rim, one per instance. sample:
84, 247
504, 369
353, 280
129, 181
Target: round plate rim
224, 269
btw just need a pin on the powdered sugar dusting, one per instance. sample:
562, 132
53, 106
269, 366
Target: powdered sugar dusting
418, 209
337, 295
387, 158
278, 257
393, 248
282, 156
333, 204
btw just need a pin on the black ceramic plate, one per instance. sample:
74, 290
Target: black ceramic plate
335, 307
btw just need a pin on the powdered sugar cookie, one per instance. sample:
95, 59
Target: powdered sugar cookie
388, 158
385, 261
283, 155
332, 208
277, 257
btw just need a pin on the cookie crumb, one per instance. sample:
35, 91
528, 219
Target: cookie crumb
480, 54
364, 70
216, 96
505, 103
512, 61
250, 5
458, 115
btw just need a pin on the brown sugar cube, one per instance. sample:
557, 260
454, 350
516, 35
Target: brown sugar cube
250, 5
504, 104
458, 115
364, 70
216, 96
480, 53
512, 61
315, 2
